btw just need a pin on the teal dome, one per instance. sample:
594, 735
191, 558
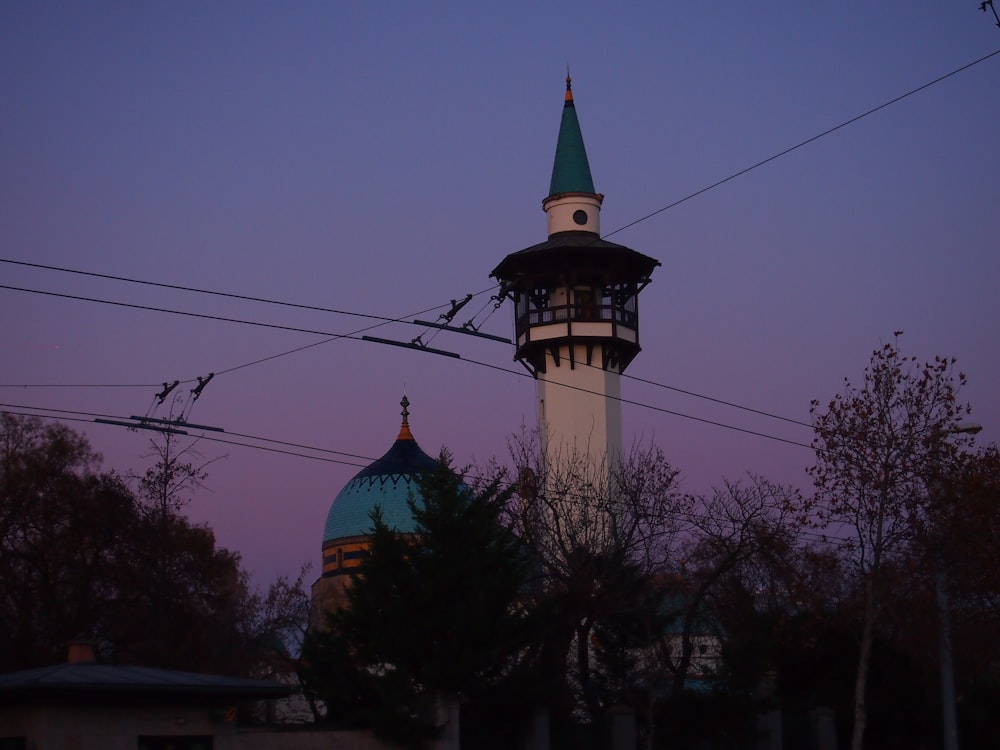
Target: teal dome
389, 483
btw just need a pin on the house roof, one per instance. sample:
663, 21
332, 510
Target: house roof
93, 678
581, 255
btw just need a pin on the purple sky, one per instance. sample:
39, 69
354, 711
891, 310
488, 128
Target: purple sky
384, 159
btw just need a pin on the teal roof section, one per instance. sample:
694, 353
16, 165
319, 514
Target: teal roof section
388, 483
88, 678
571, 171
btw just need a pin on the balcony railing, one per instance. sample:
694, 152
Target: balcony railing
587, 313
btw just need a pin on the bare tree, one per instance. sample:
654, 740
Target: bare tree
743, 534
597, 533
877, 446
177, 471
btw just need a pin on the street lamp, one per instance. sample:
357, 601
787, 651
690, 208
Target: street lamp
948, 720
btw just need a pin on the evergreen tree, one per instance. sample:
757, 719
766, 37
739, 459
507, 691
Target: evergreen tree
437, 613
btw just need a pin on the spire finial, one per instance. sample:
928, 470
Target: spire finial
404, 430
569, 85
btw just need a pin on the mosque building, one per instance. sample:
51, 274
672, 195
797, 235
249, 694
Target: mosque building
387, 483
576, 324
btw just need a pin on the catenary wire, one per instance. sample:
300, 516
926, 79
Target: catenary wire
639, 404
204, 316
354, 336
64, 415
330, 336
231, 295
195, 290
87, 418
79, 385
720, 401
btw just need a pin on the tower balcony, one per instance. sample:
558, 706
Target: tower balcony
575, 289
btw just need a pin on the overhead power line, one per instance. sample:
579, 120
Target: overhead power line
88, 417
204, 316
78, 385
383, 320
806, 142
651, 407
179, 287
354, 336
721, 402
67, 415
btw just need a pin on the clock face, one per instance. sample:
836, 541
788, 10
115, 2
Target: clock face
580, 217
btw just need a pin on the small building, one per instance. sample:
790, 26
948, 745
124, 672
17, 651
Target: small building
85, 705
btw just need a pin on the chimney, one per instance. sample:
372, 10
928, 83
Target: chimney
81, 652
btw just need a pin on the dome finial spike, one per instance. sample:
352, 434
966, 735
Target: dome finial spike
569, 85
404, 430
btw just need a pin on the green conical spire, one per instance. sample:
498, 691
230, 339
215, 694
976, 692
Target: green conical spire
571, 171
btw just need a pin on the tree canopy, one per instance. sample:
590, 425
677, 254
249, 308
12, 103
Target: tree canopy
439, 612
82, 555
882, 448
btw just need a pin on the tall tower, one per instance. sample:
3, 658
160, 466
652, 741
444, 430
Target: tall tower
576, 313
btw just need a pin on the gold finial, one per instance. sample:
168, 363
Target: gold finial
569, 85
404, 430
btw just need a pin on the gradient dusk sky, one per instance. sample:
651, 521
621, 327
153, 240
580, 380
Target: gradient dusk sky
382, 158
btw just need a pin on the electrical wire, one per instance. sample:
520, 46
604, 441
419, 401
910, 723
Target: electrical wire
79, 385
719, 401
86, 417
204, 316
195, 290
329, 335
806, 142
651, 407
354, 336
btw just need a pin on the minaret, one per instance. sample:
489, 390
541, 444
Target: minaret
576, 314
